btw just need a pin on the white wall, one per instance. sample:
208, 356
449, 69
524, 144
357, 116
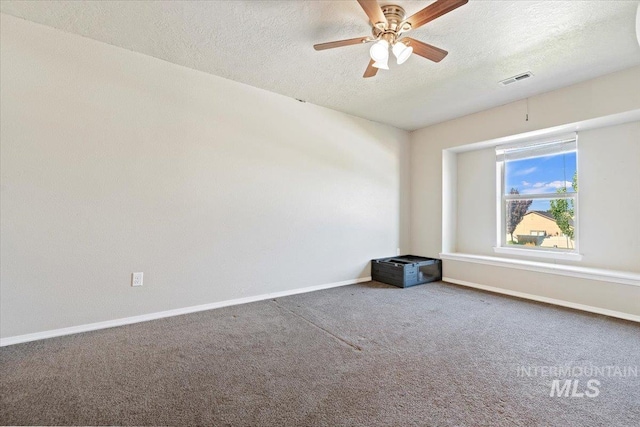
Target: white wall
609, 164
476, 202
114, 162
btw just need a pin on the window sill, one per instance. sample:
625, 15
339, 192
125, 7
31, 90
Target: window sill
558, 256
602, 275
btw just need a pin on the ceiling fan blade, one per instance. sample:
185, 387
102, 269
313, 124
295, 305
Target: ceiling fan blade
373, 11
340, 43
370, 71
433, 11
425, 50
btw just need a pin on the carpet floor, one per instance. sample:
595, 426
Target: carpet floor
360, 355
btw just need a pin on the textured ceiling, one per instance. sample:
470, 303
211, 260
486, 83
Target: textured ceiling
268, 44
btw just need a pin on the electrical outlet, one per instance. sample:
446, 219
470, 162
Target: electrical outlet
398, 251
136, 279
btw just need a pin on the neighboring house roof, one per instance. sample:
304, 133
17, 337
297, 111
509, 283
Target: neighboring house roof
544, 214
547, 215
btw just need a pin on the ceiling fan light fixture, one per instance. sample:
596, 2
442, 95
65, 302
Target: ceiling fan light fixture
388, 25
379, 52
402, 52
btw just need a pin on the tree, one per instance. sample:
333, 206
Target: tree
563, 210
516, 209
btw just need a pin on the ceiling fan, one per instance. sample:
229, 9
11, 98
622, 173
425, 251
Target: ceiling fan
389, 24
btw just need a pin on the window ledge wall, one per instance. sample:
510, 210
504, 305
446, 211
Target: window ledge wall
603, 275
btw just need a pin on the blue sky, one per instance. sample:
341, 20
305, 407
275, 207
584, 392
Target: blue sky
541, 175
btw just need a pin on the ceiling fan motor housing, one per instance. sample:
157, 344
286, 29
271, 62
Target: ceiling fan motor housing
395, 17
394, 14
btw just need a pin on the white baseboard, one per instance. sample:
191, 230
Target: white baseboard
169, 313
591, 309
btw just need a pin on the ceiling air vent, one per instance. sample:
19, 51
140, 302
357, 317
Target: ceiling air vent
517, 78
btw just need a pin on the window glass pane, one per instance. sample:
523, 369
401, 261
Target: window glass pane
541, 175
543, 223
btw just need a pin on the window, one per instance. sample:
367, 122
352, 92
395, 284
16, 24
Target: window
538, 203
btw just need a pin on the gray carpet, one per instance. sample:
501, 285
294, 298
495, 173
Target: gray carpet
368, 354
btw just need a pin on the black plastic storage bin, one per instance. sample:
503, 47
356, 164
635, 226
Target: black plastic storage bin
406, 270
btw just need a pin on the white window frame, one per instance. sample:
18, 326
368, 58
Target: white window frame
502, 198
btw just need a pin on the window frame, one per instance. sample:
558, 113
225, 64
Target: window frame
502, 198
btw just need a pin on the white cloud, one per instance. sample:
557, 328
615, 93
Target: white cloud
559, 184
525, 171
525, 183
546, 187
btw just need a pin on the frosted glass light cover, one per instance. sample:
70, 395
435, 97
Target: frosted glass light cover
402, 52
380, 51
638, 23
383, 65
